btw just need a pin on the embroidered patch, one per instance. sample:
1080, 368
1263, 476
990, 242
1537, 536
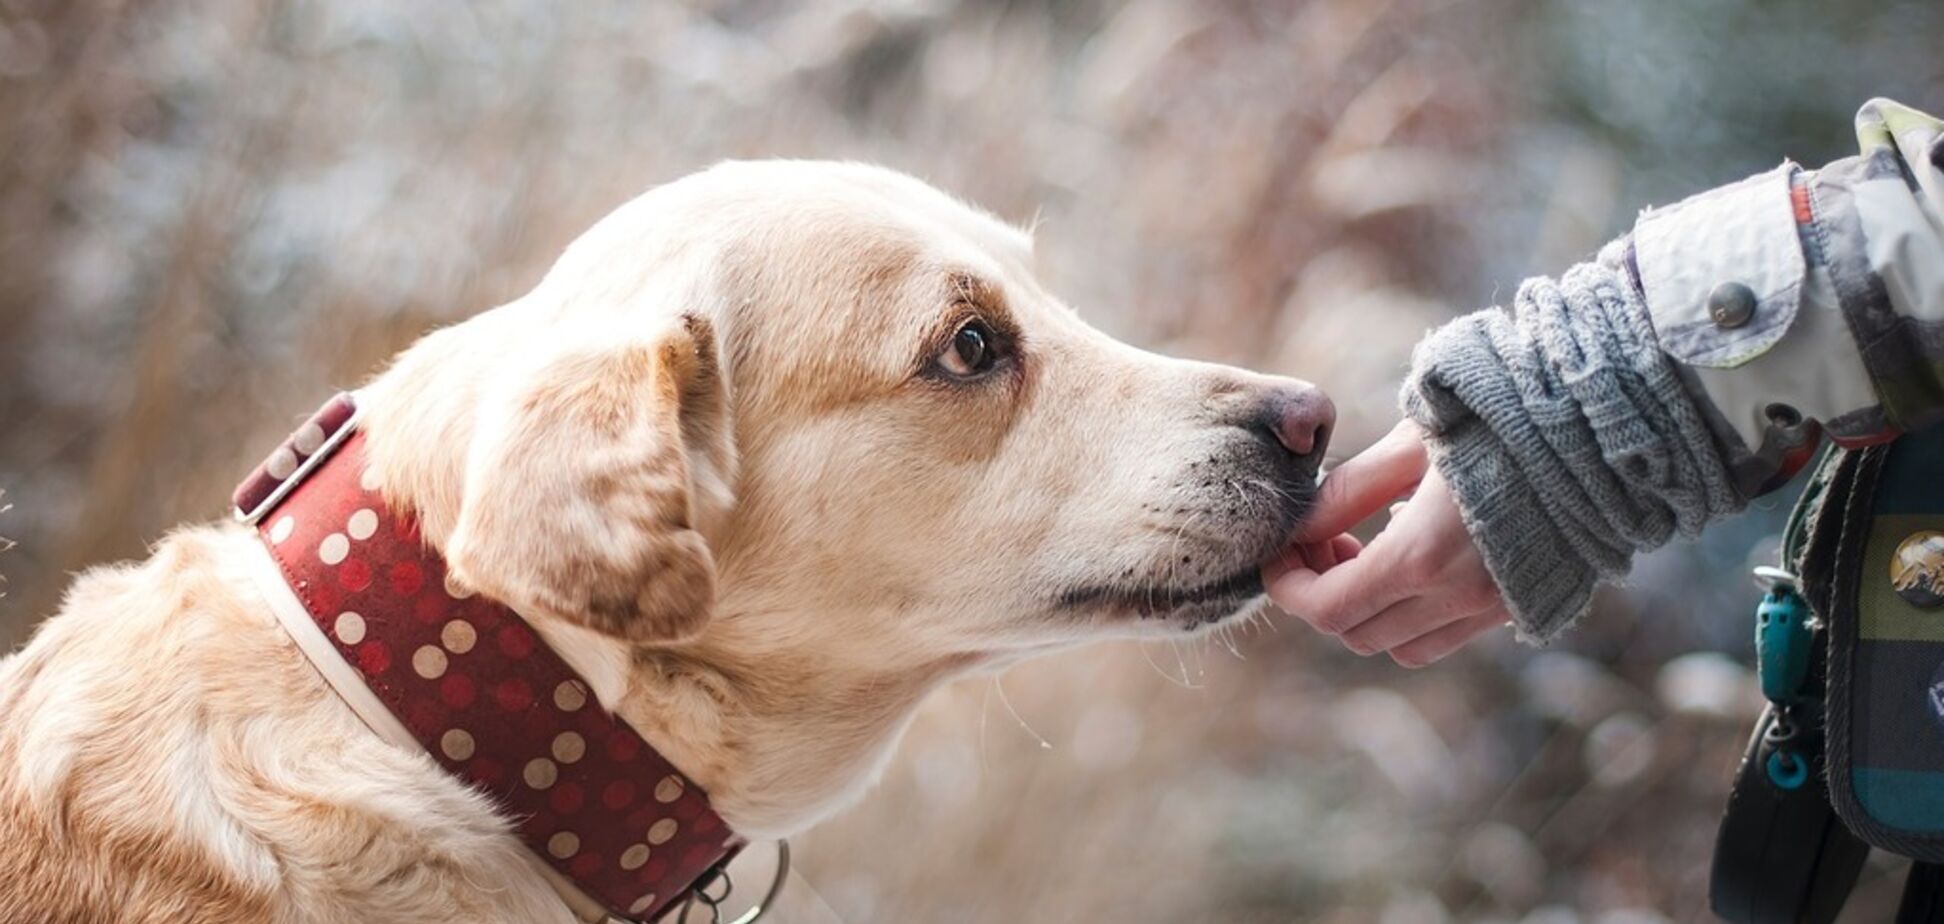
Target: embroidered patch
1917, 569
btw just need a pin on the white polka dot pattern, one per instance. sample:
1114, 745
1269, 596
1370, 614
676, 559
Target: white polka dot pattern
282, 464
456, 743
568, 747
485, 696
429, 662
350, 627
540, 773
308, 439
458, 636
456, 589
362, 524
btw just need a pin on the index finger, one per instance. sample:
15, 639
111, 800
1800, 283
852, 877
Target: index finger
1344, 597
1366, 483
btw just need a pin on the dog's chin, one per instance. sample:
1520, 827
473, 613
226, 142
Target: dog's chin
1163, 603
1198, 618
1172, 609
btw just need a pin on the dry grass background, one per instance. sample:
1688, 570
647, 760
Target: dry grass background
214, 214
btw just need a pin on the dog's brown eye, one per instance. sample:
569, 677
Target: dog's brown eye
972, 350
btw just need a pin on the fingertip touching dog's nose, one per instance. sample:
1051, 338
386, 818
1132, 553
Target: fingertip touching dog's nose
1301, 417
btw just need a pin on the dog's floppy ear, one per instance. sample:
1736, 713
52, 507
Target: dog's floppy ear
583, 483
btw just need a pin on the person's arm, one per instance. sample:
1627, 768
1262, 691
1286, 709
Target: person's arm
1846, 266
1643, 395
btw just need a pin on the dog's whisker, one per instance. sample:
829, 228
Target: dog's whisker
1226, 634
1174, 545
985, 704
1182, 662
1006, 701
1180, 682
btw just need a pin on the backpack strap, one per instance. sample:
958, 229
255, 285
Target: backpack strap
1884, 604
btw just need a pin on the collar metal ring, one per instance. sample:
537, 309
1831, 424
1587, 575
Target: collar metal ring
756, 912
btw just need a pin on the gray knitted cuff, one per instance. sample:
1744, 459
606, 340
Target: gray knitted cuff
1568, 438
1547, 586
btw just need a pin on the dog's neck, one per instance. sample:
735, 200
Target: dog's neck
778, 736
779, 723
781, 735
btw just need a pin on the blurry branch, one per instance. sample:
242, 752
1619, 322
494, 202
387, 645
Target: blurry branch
1361, 168
1356, 186
6, 544
1581, 208
1376, 113
54, 110
1327, 33
184, 301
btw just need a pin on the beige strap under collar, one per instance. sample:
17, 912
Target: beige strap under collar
364, 704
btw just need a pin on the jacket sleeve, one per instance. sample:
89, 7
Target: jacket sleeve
1695, 364
1801, 302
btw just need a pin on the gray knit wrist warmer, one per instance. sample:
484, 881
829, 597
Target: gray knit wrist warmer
1568, 439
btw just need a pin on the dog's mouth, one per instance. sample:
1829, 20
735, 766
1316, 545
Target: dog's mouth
1192, 607
1208, 575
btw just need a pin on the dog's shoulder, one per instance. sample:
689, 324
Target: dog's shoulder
97, 715
173, 757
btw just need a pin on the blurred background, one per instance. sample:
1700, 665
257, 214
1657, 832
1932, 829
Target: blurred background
212, 215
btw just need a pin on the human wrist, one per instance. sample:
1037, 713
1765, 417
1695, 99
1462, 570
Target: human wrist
1569, 440
1546, 587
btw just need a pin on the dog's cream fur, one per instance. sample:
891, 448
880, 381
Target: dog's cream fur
716, 459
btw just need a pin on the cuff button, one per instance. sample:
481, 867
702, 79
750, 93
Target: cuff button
1783, 415
1731, 305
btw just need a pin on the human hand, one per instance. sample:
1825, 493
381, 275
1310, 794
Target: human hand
1419, 591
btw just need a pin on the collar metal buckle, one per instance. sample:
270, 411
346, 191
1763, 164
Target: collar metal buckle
699, 893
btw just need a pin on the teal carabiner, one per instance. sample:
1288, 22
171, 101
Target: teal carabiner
1783, 640
1786, 770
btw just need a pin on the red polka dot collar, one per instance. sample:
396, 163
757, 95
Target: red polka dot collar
471, 684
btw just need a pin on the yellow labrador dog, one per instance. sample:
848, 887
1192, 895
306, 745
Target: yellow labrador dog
769, 454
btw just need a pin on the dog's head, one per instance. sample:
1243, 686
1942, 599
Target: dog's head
831, 390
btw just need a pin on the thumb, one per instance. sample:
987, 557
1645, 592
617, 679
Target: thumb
1366, 482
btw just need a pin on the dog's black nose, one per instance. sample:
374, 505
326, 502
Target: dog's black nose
1300, 417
